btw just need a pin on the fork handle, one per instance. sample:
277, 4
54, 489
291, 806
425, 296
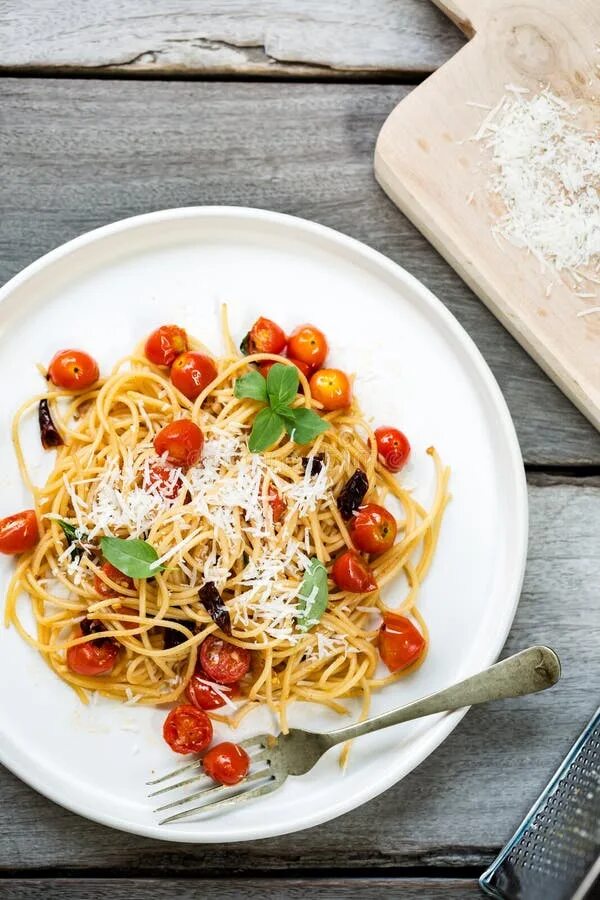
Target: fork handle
526, 672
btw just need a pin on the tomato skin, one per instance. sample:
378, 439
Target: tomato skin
351, 573
182, 441
276, 502
165, 344
187, 730
160, 475
373, 529
302, 366
203, 695
192, 372
73, 370
223, 662
331, 387
226, 763
393, 447
96, 657
119, 578
400, 642
19, 532
266, 336
308, 345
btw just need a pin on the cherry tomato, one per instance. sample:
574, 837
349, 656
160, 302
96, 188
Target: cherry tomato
182, 441
187, 730
126, 611
265, 337
73, 370
203, 696
400, 642
351, 573
302, 366
331, 388
113, 574
309, 345
192, 372
97, 657
392, 447
276, 502
223, 662
226, 763
19, 532
373, 529
165, 344
165, 478
265, 367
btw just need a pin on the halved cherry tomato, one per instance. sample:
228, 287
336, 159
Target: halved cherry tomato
223, 662
105, 590
373, 529
226, 763
96, 657
265, 336
165, 478
393, 447
187, 730
182, 441
331, 387
276, 502
203, 696
165, 344
74, 370
400, 642
351, 573
192, 372
19, 532
309, 345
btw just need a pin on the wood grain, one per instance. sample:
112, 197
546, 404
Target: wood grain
275, 38
81, 153
457, 808
427, 163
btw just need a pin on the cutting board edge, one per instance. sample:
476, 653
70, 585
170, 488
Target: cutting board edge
408, 204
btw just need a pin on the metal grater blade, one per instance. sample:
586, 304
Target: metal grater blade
556, 849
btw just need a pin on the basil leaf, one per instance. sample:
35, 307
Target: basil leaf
313, 596
252, 385
303, 425
75, 539
130, 556
282, 386
267, 429
245, 345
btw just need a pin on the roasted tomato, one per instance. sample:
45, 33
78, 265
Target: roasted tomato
165, 478
223, 662
276, 502
226, 763
308, 345
400, 642
187, 730
165, 344
19, 532
331, 388
202, 695
73, 370
192, 372
96, 657
105, 590
182, 441
265, 336
373, 529
351, 573
393, 447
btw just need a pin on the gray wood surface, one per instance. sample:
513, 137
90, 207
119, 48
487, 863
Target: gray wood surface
274, 38
457, 808
80, 153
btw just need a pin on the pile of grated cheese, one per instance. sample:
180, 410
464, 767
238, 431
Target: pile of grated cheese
547, 175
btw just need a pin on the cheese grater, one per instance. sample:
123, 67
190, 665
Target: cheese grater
555, 852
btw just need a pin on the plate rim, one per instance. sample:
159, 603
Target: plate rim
443, 724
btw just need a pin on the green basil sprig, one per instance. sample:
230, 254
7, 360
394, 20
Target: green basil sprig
313, 596
131, 556
75, 539
278, 390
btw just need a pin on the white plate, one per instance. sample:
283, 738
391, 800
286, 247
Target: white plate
417, 368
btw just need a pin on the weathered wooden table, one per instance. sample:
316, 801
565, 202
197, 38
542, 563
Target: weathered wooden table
121, 107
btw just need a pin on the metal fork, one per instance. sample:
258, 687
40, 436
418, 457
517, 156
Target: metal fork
295, 753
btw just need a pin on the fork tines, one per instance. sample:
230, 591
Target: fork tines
213, 795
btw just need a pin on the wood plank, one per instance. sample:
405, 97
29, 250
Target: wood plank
233, 888
458, 807
275, 38
81, 153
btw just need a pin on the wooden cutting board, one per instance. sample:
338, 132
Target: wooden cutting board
427, 163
